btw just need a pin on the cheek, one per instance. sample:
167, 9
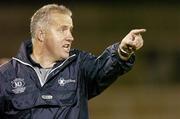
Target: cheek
56, 46
54, 40
49, 45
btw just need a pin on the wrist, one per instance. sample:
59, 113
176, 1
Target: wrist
123, 54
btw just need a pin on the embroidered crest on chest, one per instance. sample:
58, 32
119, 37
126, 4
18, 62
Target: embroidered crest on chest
18, 85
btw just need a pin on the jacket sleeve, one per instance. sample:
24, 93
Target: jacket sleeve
1, 97
100, 72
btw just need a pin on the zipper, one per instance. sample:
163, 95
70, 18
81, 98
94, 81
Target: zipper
27, 64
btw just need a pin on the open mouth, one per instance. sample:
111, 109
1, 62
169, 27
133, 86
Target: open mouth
67, 47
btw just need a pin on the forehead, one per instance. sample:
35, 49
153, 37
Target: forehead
59, 19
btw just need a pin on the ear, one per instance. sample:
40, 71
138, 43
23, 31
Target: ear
40, 35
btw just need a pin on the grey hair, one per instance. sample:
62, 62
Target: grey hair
41, 16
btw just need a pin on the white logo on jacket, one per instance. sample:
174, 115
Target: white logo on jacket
18, 85
62, 81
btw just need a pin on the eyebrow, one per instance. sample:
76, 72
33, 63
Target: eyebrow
65, 26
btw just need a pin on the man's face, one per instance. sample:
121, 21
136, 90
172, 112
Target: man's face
58, 36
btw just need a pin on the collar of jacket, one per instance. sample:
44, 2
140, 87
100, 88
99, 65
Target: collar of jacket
26, 49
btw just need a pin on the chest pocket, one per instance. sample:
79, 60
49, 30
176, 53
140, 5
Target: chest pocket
65, 91
59, 94
24, 100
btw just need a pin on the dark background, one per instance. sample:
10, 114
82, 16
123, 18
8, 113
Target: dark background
151, 89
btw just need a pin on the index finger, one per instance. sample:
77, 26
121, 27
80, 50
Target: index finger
138, 31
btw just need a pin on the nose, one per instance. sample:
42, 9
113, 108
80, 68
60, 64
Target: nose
70, 37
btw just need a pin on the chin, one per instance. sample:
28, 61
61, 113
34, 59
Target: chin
62, 55
65, 56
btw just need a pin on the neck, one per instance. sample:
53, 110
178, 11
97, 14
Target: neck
43, 61
42, 57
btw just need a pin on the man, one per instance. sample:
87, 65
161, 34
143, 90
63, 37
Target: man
49, 80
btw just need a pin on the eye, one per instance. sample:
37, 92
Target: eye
62, 29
